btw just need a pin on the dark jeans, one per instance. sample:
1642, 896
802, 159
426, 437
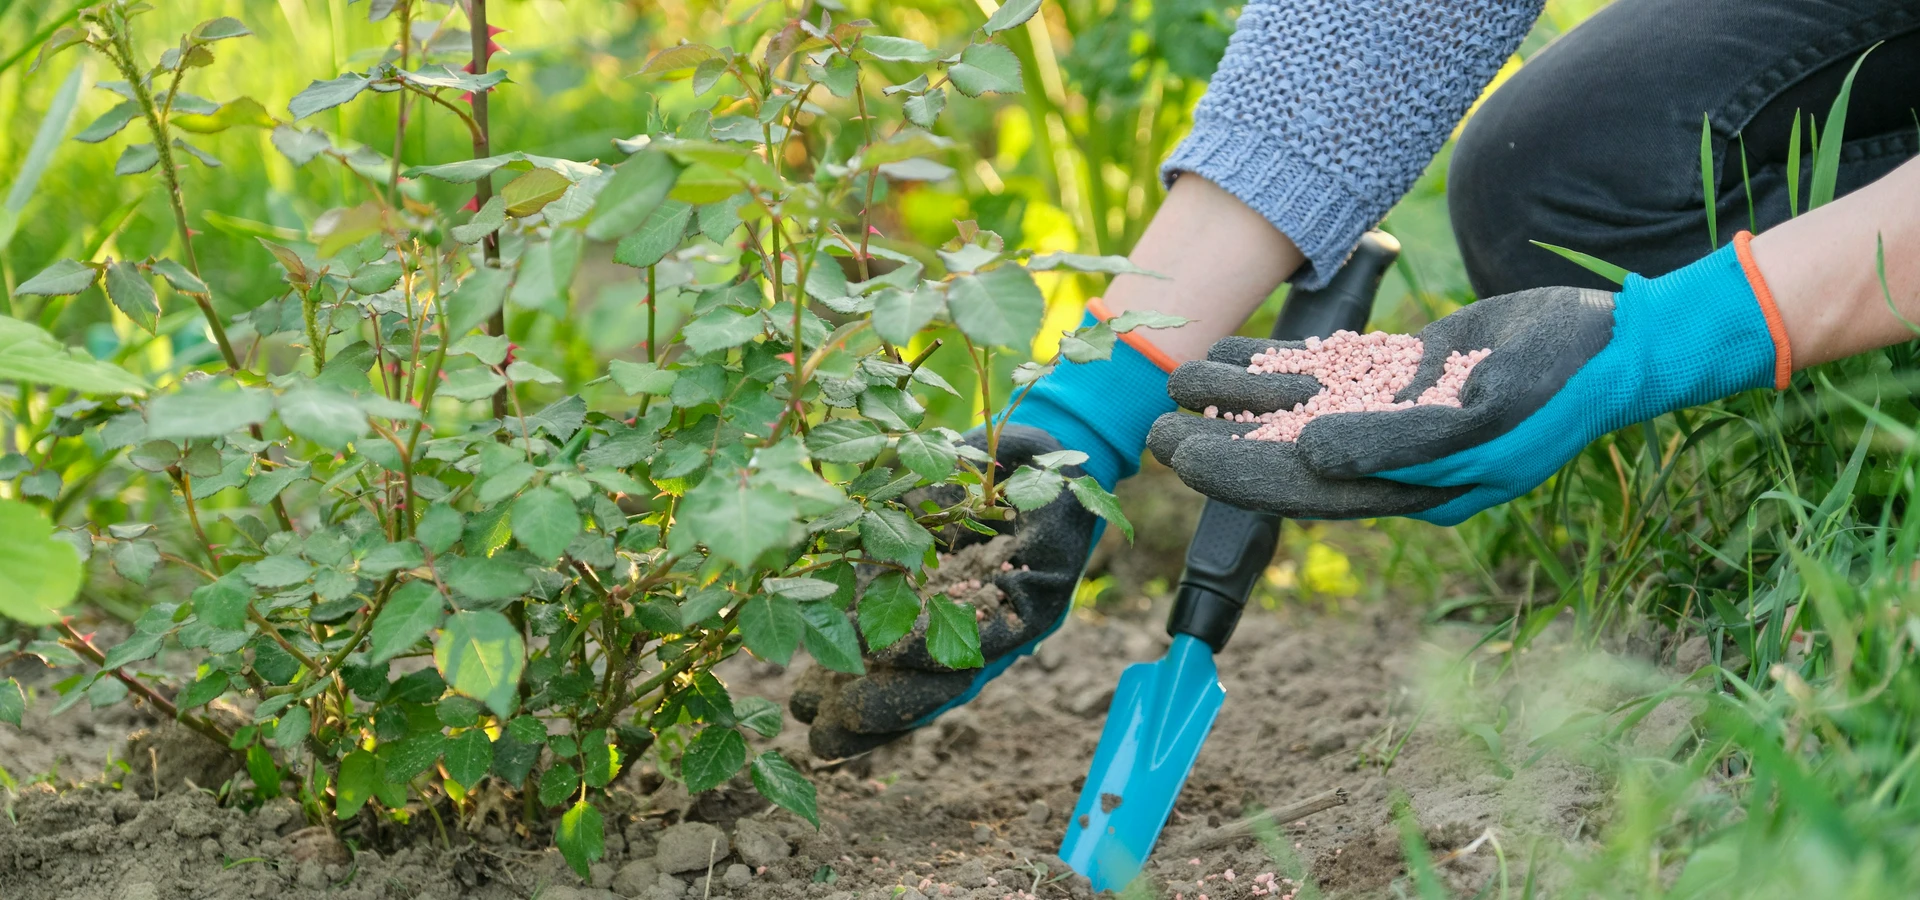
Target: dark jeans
1595, 143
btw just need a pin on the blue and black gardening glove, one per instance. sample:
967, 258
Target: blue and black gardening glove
1567, 366
1103, 409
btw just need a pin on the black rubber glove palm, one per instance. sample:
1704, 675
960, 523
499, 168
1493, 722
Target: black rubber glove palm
904, 687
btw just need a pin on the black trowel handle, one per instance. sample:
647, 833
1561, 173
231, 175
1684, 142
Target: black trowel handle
1232, 546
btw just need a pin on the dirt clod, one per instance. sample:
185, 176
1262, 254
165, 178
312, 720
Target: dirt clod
690, 846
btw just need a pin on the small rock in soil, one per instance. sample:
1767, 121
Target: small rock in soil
1092, 701
1038, 812
565, 892
635, 877
737, 876
759, 844
971, 874
277, 814
600, 875
316, 845
689, 846
982, 834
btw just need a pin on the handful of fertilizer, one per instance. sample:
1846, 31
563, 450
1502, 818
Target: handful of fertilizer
1357, 373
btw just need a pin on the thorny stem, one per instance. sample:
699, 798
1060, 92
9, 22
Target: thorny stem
483, 187
79, 644
185, 483
866, 207
984, 365
400, 126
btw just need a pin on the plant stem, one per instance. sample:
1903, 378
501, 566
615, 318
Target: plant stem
866, 207
400, 124
483, 187
78, 644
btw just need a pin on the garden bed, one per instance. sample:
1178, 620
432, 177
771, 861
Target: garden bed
971, 808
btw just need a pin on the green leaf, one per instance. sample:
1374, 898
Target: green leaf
323, 416
662, 230
42, 574
845, 441
59, 280
1826, 159
439, 528
702, 605
138, 646
924, 110
637, 187
325, 95
558, 783
202, 691
772, 627
929, 456
642, 378
489, 219
736, 521
441, 75
891, 407
1144, 318
279, 571
481, 655
986, 68
237, 113
721, 329
1014, 13
468, 757
899, 314
1001, 307
177, 275
359, 777
1029, 488
407, 759
896, 49
679, 58
29, 355
484, 578
545, 521
137, 158
580, 837
953, 635
830, 638
760, 714
1593, 264
1089, 344
110, 123
412, 612
602, 759
777, 780
531, 192
472, 384
387, 558
219, 29
1097, 501
712, 758
133, 294
888, 610
223, 604
890, 535
375, 278
204, 413
13, 703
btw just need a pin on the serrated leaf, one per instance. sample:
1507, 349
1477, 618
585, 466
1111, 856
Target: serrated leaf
712, 758
580, 837
1079, 262
898, 314
481, 655
642, 378
326, 417
1143, 318
679, 59
953, 635
531, 192
239, 112
485, 578
845, 441
772, 627
60, 279
133, 294
359, 776
1001, 307
1029, 488
1097, 501
439, 528
138, 646
830, 638
13, 703
223, 604
412, 756
662, 231
325, 95
375, 278
638, 186
760, 714
292, 728
468, 757
896, 49
924, 110
220, 29
1089, 344
179, 277
888, 609
412, 612
778, 781
800, 588
889, 535
558, 783
110, 123
986, 68
546, 522
736, 521
300, 145
928, 455
721, 329
278, 571
137, 158
210, 412
489, 219
1010, 15
601, 757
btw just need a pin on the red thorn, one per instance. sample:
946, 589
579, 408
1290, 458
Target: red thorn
786, 357
874, 231
473, 205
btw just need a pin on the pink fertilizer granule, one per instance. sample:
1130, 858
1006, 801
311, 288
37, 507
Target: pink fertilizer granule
1357, 373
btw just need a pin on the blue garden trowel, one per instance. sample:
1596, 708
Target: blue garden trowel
1162, 711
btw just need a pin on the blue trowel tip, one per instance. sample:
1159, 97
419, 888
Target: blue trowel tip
1161, 714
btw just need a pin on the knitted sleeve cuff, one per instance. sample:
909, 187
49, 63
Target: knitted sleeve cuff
1314, 210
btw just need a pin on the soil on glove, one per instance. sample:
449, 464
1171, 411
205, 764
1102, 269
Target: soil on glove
966, 576
970, 808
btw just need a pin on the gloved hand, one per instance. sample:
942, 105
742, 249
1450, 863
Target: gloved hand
1567, 366
904, 688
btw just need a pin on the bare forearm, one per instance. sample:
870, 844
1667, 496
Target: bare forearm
1220, 259
1821, 270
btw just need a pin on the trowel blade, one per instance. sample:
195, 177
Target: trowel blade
1161, 714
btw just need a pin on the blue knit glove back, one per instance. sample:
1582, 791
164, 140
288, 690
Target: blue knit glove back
1567, 366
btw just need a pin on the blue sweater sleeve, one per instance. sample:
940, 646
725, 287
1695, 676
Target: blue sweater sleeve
1324, 112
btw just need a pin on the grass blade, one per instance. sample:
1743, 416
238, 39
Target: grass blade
1793, 167
1826, 160
1706, 182
1753, 226
40, 154
1593, 264
1880, 269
